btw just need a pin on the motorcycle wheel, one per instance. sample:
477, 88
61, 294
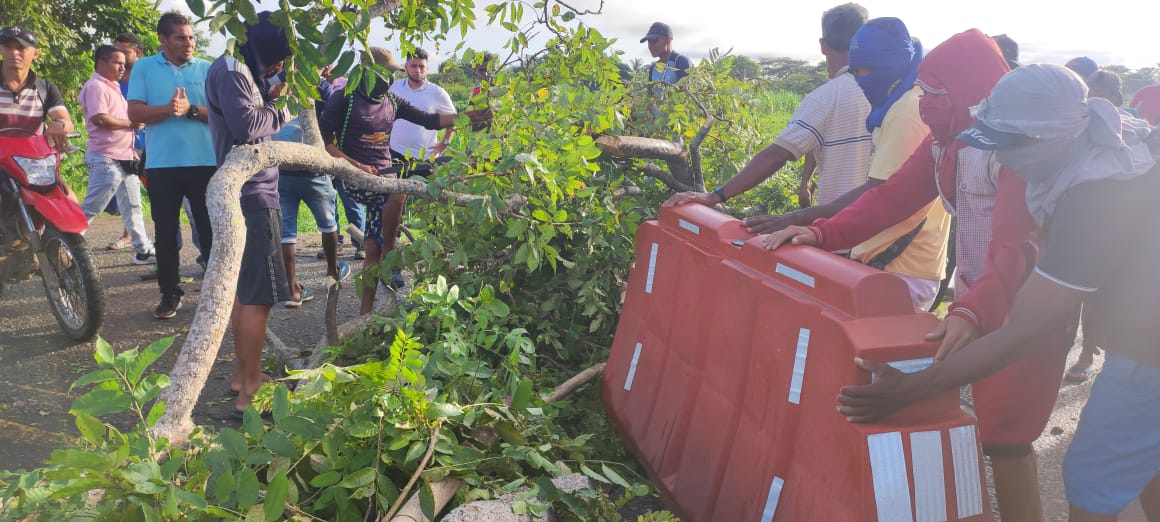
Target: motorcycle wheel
79, 302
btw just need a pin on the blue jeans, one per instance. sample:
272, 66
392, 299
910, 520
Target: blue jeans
355, 212
317, 193
107, 179
1116, 449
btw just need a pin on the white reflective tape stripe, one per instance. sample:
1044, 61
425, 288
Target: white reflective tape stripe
965, 454
912, 365
891, 485
799, 366
796, 275
652, 268
926, 459
691, 227
771, 499
632, 368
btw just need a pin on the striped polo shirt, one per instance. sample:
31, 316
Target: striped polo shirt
831, 123
25, 109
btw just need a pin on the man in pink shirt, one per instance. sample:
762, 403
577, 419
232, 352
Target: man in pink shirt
110, 155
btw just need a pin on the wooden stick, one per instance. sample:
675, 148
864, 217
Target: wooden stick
415, 476
571, 385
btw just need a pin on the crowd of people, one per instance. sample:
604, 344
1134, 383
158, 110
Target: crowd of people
1047, 178
167, 121
1041, 173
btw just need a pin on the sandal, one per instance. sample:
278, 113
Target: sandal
304, 295
119, 244
1077, 374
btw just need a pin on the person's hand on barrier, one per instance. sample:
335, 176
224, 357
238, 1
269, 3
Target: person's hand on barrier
705, 198
793, 235
955, 332
768, 224
890, 391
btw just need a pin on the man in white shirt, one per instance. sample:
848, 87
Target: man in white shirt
410, 142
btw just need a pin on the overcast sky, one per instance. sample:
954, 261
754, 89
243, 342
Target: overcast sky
1110, 32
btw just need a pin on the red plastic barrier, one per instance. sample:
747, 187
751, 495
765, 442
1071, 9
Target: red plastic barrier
724, 374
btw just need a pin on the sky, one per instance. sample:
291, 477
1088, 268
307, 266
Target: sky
1117, 32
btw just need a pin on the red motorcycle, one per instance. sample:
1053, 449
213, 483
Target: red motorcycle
42, 230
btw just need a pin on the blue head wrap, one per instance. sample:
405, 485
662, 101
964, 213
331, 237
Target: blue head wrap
266, 44
885, 47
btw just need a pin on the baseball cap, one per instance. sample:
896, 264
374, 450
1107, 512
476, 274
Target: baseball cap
25, 37
982, 137
657, 30
383, 58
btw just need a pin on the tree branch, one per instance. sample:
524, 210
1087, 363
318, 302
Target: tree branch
695, 154
654, 171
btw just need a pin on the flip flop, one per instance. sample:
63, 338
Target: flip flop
306, 295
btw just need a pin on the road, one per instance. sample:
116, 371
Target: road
37, 362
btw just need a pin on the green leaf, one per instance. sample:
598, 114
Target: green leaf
301, 426
281, 403
234, 442
223, 487
91, 429
276, 494
247, 488
415, 452
592, 474
614, 476
444, 409
147, 357
193, 499
102, 402
79, 459
145, 477
344, 63
104, 353
252, 423
281, 444
427, 500
197, 7
327, 479
155, 414
256, 514
102, 375
361, 478
523, 394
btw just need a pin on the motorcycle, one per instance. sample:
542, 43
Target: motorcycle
42, 232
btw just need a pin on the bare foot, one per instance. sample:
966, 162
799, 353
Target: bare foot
236, 383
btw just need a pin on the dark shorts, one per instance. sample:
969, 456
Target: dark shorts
262, 278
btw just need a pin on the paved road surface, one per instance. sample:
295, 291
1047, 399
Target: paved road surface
37, 362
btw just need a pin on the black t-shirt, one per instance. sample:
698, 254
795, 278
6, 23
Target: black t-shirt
1103, 239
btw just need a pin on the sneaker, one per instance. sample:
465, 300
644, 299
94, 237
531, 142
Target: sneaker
119, 244
397, 280
320, 255
359, 254
343, 270
203, 263
148, 258
170, 304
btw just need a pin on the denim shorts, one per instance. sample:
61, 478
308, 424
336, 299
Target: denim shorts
1116, 449
316, 192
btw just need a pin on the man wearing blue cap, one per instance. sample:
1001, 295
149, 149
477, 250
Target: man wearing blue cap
670, 66
1091, 182
242, 110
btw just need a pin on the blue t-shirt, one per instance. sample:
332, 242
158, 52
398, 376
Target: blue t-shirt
174, 141
138, 135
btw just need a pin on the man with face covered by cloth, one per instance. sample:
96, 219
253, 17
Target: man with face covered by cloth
884, 60
242, 111
996, 250
1091, 186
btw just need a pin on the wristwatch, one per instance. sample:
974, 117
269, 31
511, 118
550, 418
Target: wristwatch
192, 113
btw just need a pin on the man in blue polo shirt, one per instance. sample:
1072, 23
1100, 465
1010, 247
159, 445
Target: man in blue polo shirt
167, 93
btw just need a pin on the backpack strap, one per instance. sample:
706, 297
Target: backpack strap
895, 249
